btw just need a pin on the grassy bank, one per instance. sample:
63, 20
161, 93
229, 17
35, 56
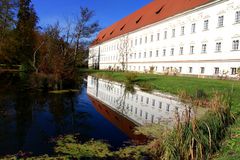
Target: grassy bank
230, 148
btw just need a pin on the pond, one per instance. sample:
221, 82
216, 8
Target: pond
30, 120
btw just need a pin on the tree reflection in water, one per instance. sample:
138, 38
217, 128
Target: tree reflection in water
29, 119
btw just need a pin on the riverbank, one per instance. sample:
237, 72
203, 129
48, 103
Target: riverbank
171, 84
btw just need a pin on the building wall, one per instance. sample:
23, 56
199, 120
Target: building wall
147, 45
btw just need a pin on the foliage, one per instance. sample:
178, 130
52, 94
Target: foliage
151, 69
69, 146
131, 77
132, 152
25, 33
7, 23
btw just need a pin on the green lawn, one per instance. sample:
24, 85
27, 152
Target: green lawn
174, 84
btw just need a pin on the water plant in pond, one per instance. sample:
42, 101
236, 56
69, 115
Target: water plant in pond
69, 146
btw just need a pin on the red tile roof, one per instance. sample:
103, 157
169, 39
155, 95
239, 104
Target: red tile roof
155, 11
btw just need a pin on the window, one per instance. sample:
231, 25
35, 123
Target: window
147, 100
191, 49
135, 42
182, 30
165, 34
235, 45
160, 105
158, 36
216, 70
140, 41
138, 20
146, 115
141, 98
153, 102
151, 38
193, 28
152, 118
157, 53
164, 52
168, 106
237, 17
204, 48
233, 71
218, 47
172, 51
220, 21
202, 70
205, 25
173, 32
140, 113
139, 55
150, 54
135, 55
190, 69
139, 68
146, 39
145, 54
181, 51
136, 110
180, 69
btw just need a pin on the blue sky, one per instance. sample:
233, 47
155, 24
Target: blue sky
106, 11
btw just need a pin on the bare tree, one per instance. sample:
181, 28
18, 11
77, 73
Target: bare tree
124, 49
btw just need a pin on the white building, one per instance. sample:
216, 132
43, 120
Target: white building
199, 37
139, 107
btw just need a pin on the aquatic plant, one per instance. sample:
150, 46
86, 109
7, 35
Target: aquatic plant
70, 147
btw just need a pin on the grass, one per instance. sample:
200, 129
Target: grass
230, 148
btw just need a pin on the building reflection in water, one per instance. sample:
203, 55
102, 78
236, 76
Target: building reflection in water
139, 107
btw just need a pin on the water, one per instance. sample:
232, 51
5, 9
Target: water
30, 120
102, 110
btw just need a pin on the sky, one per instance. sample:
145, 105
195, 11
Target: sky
106, 11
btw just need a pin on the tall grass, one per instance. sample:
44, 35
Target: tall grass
192, 139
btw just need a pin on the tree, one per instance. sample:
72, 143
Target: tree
7, 24
26, 35
124, 52
83, 30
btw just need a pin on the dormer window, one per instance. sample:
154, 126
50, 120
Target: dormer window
158, 11
139, 19
111, 32
122, 27
103, 36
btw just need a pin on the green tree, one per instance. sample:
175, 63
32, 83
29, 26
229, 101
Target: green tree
7, 24
25, 32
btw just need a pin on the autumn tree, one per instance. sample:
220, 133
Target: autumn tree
25, 32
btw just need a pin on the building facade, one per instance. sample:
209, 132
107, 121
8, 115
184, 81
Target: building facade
181, 37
